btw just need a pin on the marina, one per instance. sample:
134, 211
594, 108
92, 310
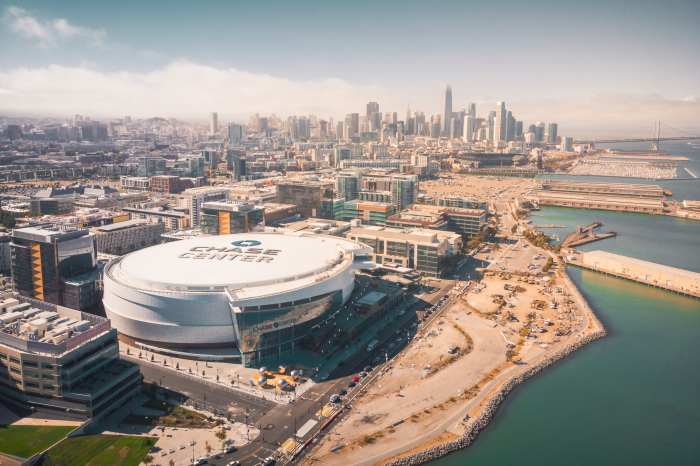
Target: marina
584, 235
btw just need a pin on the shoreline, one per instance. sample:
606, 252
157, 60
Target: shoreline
496, 397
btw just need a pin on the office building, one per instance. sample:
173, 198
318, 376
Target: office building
192, 200
55, 265
211, 158
371, 213
404, 191
171, 220
127, 236
313, 198
213, 123
151, 166
469, 128
567, 144
165, 184
471, 109
372, 107
500, 123
235, 134
228, 217
423, 250
552, 135
56, 359
446, 118
468, 222
539, 131
348, 185
239, 167
55, 201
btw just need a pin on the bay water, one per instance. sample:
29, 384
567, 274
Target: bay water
632, 397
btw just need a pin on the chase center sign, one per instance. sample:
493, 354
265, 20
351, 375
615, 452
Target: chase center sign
239, 252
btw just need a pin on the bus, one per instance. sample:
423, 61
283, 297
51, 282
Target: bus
371, 346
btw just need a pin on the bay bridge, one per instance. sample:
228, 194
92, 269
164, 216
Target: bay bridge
654, 140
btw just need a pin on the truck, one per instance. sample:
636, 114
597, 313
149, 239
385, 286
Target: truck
371, 346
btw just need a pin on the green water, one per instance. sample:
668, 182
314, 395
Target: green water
632, 397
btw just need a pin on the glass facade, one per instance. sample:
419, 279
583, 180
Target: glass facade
263, 329
313, 199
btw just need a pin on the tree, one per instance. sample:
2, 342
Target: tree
148, 459
215, 411
153, 358
177, 366
154, 387
228, 417
221, 435
217, 377
496, 247
162, 429
171, 462
203, 373
128, 351
208, 448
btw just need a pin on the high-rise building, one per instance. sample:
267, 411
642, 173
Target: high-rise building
304, 128
235, 133
567, 144
237, 161
151, 166
197, 166
539, 131
127, 120
510, 127
55, 265
500, 122
211, 158
471, 109
339, 132
404, 191
410, 126
552, 135
348, 184
375, 121
213, 123
518, 128
313, 198
372, 107
229, 217
446, 111
354, 122
469, 127
193, 198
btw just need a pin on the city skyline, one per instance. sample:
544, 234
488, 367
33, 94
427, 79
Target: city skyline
65, 60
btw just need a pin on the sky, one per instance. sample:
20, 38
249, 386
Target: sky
597, 68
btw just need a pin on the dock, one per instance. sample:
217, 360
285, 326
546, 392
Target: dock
551, 226
648, 273
584, 235
691, 173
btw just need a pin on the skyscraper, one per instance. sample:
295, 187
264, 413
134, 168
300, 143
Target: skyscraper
372, 107
354, 121
510, 127
235, 133
471, 109
408, 112
552, 136
539, 131
348, 184
518, 128
213, 123
500, 123
446, 111
469, 126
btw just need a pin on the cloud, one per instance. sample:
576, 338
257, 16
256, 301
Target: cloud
189, 91
49, 33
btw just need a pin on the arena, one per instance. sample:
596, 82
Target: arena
262, 293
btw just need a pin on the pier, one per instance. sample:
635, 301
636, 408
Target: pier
584, 235
648, 273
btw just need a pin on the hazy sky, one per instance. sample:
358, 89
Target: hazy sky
592, 66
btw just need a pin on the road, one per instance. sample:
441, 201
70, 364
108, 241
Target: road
279, 422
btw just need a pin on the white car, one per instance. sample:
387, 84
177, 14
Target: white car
268, 461
199, 461
234, 463
325, 376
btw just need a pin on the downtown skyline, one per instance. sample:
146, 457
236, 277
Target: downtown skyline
65, 60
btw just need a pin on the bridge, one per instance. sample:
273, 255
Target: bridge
654, 140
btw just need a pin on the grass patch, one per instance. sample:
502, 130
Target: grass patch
26, 441
99, 450
173, 416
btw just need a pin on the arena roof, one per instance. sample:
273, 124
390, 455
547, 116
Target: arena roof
232, 261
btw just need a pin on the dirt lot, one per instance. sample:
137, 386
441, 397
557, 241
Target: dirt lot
473, 186
518, 316
405, 390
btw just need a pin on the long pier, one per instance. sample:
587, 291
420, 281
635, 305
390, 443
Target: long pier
584, 235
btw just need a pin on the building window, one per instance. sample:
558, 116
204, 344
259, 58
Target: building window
31, 385
46, 366
31, 363
48, 386
3, 357
14, 360
31, 375
15, 371
47, 377
17, 381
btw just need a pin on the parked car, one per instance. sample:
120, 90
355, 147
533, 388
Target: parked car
199, 461
356, 379
351, 384
363, 374
368, 369
230, 449
325, 376
268, 461
335, 398
342, 392
234, 463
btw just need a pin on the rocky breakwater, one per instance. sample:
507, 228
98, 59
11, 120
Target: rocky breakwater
475, 424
